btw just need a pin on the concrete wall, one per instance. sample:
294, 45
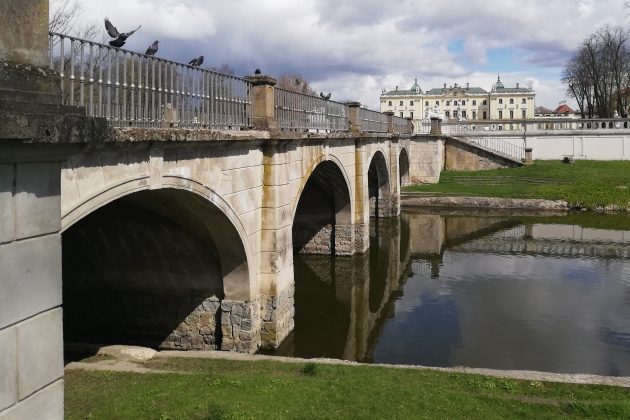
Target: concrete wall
581, 146
31, 337
426, 159
460, 156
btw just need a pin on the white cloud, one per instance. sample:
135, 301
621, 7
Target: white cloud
360, 46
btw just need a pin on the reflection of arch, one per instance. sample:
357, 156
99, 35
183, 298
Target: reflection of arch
378, 186
323, 212
403, 167
238, 282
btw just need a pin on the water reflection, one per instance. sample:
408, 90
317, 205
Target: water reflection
482, 290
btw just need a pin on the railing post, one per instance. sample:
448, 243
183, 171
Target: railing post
528, 156
353, 116
436, 126
263, 102
409, 125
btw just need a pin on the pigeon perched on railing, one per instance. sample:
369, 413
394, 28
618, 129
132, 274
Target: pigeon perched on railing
196, 62
325, 97
119, 38
152, 48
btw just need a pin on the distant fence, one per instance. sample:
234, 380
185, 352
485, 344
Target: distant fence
547, 126
129, 88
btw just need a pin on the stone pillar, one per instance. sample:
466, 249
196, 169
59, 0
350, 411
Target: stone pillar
409, 125
361, 199
36, 135
26, 40
436, 126
263, 102
528, 156
276, 261
353, 116
394, 179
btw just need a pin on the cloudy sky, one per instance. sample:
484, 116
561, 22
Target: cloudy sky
356, 48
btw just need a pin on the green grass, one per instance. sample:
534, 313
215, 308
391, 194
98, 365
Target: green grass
587, 183
221, 389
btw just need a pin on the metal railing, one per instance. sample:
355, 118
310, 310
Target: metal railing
372, 121
302, 112
494, 144
402, 125
133, 89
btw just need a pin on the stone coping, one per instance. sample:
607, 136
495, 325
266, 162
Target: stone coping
156, 134
412, 200
575, 378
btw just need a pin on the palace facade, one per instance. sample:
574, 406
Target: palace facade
459, 103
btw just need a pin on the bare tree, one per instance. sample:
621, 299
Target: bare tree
295, 83
598, 75
66, 18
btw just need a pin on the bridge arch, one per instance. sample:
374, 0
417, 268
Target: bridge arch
204, 275
323, 218
379, 191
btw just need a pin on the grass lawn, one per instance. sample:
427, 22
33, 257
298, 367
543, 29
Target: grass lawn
586, 183
223, 389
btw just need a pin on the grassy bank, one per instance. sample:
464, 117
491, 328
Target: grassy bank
222, 389
589, 184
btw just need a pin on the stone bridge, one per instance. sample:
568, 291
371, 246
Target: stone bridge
252, 199
168, 237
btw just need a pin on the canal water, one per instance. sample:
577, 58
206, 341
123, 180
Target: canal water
502, 291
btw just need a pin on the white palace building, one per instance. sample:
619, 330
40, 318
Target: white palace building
461, 103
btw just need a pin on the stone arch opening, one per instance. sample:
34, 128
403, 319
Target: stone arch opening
160, 268
378, 186
323, 218
403, 168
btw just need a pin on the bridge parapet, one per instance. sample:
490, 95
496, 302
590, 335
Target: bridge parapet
132, 89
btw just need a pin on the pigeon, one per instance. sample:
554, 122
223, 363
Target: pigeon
325, 97
119, 38
152, 48
257, 71
196, 62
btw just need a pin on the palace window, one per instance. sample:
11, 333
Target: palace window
410, 103
474, 115
500, 115
401, 103
523, 113
437, 103
511, 115
463, 113
390, 103
500, 101
447, 114
523, 101
474, 102
448, 103
426, 103
511, 100
463, 102
401, 114
485, 115
485, 102
411, 114
454, 103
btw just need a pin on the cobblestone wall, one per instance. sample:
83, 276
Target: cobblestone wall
277, 317
240, 326
321, 241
